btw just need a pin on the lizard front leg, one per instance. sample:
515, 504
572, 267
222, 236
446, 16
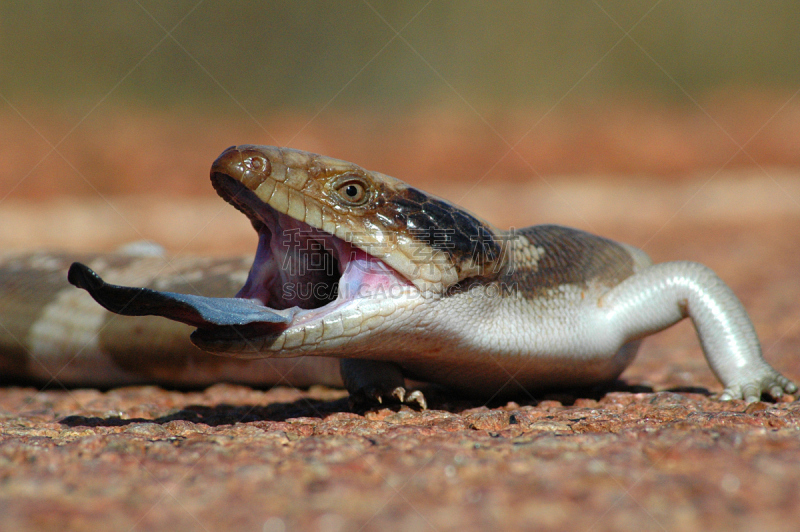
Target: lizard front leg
663, 294
373, 381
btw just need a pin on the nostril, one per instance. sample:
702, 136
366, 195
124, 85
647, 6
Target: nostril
247, 164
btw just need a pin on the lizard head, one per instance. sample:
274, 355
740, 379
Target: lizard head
427, 240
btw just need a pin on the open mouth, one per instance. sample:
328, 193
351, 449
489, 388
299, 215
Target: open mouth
300, 275
300, 268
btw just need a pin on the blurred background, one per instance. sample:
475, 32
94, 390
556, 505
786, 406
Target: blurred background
609, 115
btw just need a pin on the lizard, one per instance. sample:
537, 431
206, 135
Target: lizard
396, 284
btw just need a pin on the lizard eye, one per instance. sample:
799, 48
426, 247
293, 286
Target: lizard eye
352, 190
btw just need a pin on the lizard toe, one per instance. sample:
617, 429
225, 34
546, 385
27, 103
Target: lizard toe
751, 393
787, 385
773, 384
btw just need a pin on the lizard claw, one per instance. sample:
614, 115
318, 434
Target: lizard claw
414, 398
372, 396
417, 397
399, 393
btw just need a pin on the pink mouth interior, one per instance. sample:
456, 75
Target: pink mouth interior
297, 265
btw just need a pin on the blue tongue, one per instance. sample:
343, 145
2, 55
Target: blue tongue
199, 311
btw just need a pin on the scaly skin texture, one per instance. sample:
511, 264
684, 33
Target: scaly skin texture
458, 302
